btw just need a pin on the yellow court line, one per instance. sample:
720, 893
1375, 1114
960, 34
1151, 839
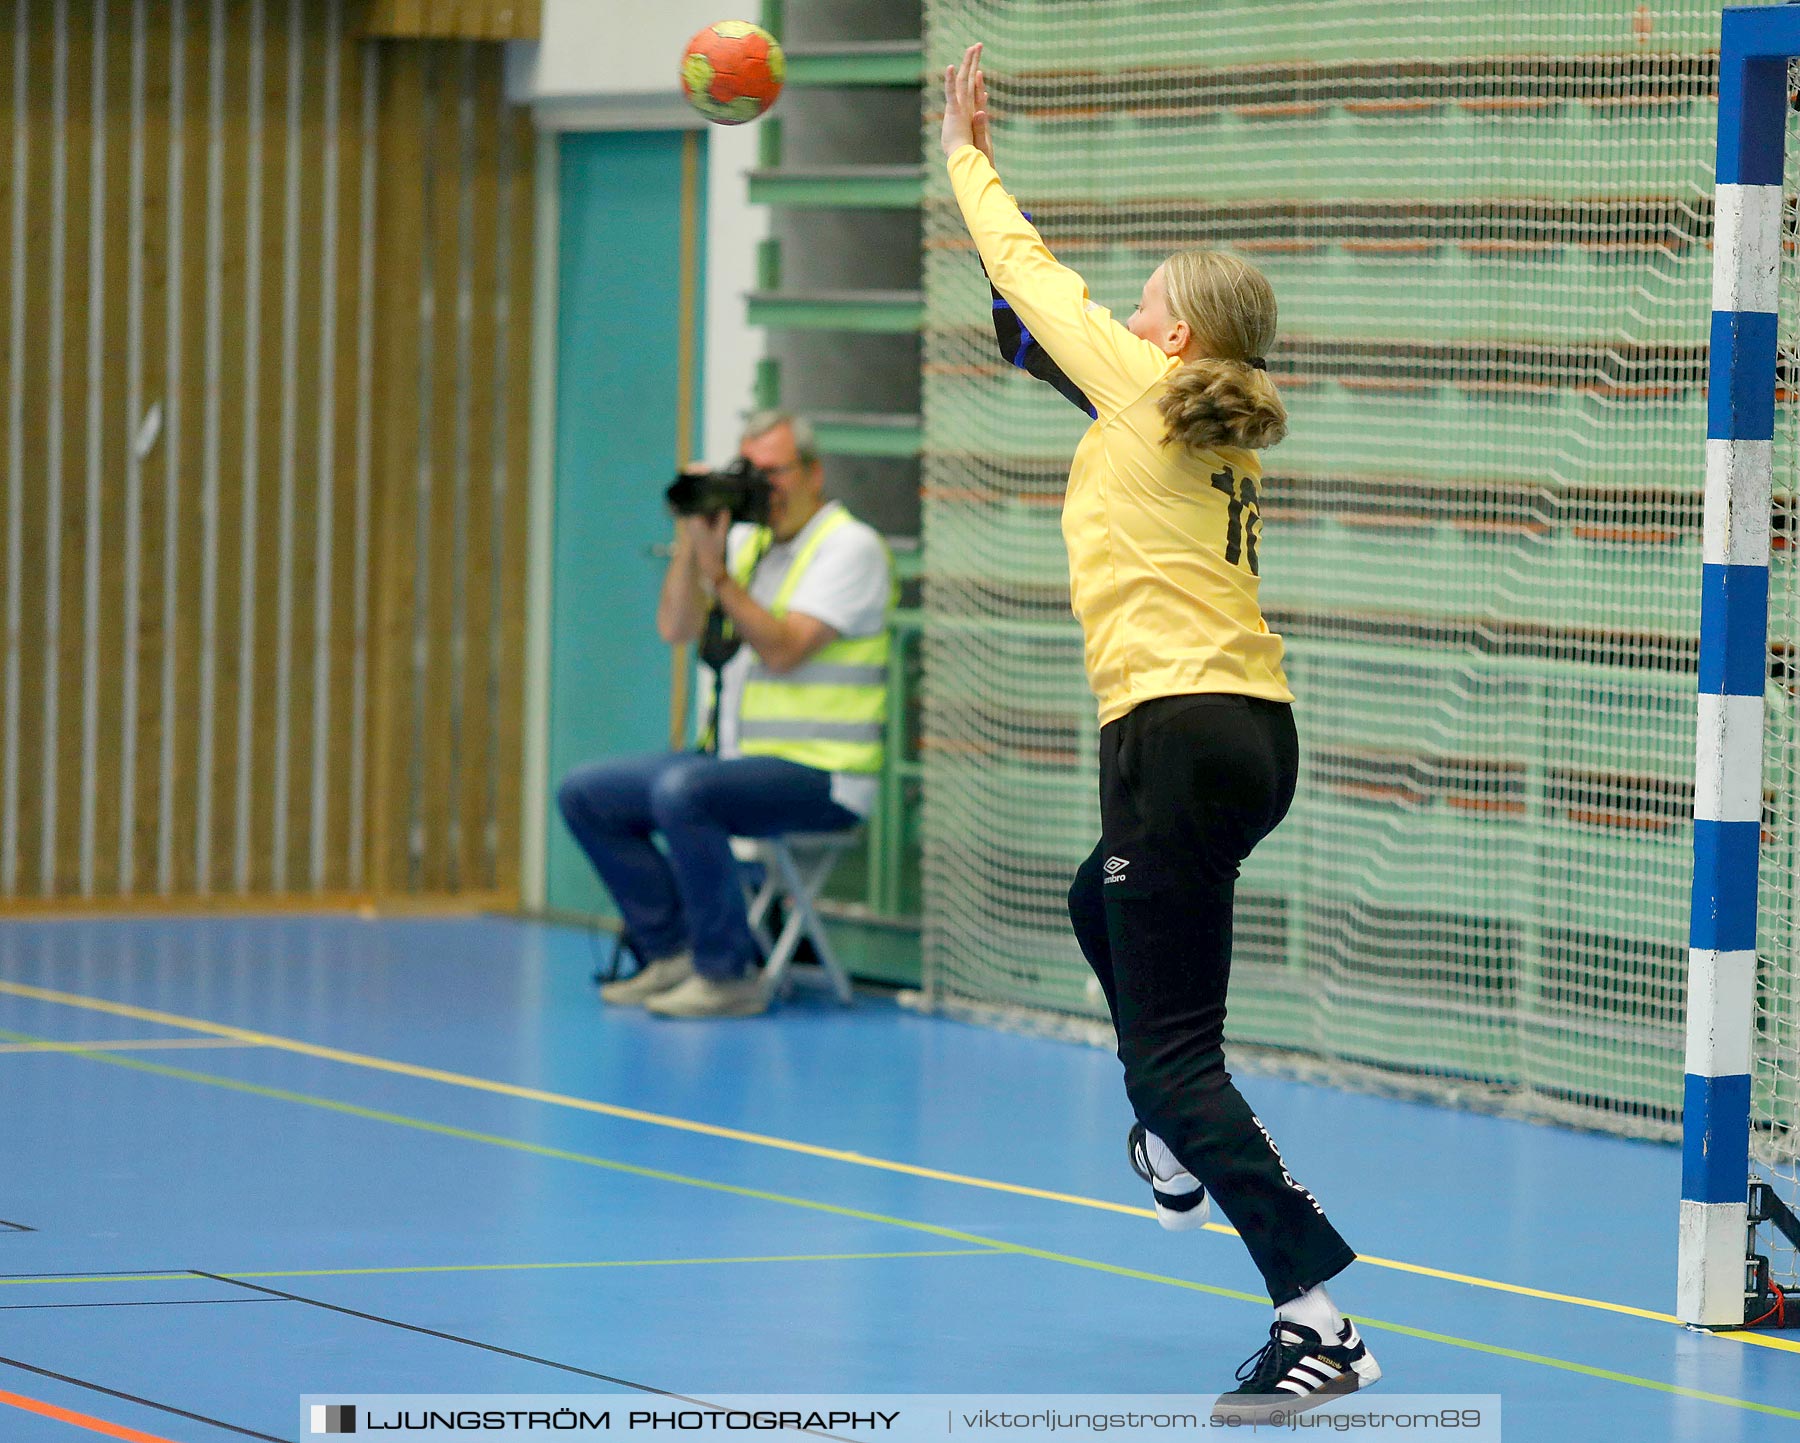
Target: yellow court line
976, 1240
40, 1281
141, 1044
1761, 1340
857, 1159
554, 1099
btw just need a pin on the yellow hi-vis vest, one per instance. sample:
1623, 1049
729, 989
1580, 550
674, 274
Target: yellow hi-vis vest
830, 712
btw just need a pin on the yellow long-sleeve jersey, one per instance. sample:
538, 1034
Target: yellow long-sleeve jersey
1162, 540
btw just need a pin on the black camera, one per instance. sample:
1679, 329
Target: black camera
740, 488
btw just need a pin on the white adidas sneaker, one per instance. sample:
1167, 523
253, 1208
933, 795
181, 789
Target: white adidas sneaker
1181, 1202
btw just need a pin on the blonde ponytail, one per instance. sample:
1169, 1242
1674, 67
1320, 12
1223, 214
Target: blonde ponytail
1223, 397
1212, 403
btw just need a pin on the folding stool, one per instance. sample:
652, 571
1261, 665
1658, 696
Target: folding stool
795, 868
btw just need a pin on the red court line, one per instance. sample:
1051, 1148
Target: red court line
80, 1420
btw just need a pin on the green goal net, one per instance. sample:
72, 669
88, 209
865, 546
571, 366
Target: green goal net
1488, 226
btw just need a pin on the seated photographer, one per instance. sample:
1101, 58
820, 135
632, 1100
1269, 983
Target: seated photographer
792, 618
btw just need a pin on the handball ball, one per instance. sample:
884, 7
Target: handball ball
732, 71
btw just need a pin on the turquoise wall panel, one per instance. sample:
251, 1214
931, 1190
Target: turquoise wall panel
619, 318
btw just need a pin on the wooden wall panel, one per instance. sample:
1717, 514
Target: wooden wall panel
261, 599
512, 409
301, 483
403, 271
262, 453
62, 838
484, 151
28, 466
441, 820
183, 449
432, 723
149, 379
109, 549
453, 19
14, 79
14, 52
347, 412
234, 351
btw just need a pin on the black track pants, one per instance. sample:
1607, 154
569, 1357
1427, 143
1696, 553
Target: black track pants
1188, 786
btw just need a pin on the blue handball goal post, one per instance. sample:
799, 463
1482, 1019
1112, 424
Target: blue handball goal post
1739, 1238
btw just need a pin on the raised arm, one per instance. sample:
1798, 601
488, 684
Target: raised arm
1093, 353
1018, 347
1096, 354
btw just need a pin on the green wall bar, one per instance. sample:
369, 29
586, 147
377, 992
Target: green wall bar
768, 264
869, 435
858, 187
884, 312
768, 384
868, 64
768, 142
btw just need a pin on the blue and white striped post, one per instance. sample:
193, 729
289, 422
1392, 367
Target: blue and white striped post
1734, 621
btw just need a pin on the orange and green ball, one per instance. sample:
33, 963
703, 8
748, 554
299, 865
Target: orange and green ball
732, 71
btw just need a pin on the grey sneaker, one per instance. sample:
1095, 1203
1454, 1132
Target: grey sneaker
649, 980
712, 997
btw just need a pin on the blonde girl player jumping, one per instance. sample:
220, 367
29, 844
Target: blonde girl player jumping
1198, 754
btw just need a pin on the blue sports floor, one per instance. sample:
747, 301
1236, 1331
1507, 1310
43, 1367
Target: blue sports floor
243, 1160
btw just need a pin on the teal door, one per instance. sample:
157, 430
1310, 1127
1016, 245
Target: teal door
623, 306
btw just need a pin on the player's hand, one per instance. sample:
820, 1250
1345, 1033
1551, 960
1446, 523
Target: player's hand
983, 139
959, 101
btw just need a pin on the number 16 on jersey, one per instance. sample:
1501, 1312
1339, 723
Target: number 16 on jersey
1243, 523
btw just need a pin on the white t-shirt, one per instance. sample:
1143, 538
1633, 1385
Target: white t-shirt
845, 585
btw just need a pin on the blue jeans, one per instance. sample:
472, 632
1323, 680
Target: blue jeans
689, 896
